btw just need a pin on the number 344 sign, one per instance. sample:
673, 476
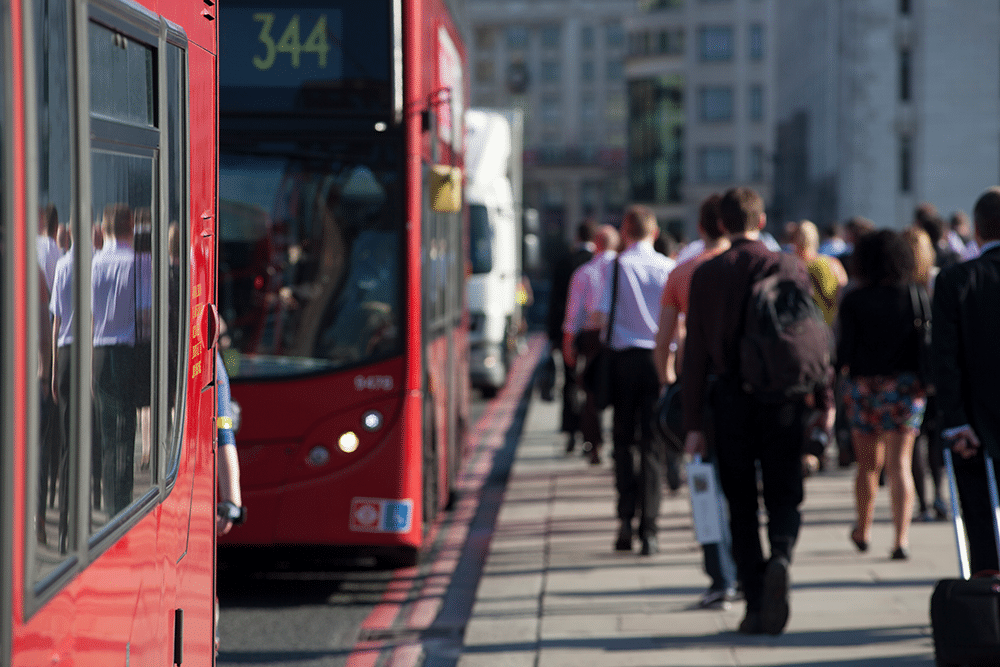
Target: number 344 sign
281, 47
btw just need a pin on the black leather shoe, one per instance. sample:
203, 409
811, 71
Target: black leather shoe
774, 603
751, 625
624, 541
649, 546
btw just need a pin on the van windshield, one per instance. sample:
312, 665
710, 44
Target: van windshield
481, 241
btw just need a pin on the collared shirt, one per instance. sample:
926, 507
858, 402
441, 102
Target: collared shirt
585, 289
642, 275
61, 301
48, 254
114, 294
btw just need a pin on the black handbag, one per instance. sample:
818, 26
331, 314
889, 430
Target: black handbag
668, 418
922, 327
597, 374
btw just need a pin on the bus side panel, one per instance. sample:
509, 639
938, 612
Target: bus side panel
413, 55
196, 574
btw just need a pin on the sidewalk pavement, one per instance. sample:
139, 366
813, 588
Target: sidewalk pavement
553, 592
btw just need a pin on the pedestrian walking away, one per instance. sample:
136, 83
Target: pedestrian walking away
752, 429
642, 274
966, 363
582, 330
879, 355
668, 355
561, 275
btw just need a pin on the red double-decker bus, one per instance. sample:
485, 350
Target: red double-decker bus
342, 266
107, 282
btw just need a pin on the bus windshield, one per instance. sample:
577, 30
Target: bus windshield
310, 263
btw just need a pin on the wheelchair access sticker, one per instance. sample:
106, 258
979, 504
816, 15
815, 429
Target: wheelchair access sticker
381, 515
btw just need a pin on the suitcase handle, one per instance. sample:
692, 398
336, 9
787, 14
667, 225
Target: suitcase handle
958, 524
956, 516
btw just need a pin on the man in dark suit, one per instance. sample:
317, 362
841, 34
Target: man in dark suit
561, 275
966, 319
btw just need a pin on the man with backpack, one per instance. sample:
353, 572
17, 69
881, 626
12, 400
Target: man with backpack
757, 350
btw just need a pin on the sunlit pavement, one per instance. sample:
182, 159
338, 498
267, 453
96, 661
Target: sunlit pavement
553, 593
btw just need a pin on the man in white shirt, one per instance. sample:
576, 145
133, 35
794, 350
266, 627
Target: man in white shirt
632, 317
114, 309
582, 328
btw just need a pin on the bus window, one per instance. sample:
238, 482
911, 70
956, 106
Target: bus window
54, 524
310, 258
122, 104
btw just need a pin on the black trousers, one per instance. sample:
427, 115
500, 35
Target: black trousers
114, 368
588, 343
974, 497
571, 403
750, 433
634, 389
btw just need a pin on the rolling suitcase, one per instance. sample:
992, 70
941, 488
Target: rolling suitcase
965, 612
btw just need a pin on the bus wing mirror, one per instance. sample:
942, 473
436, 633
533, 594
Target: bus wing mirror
446, 188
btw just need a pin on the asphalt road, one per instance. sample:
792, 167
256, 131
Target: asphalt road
287, 609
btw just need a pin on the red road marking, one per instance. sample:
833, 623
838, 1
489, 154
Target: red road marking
481, 447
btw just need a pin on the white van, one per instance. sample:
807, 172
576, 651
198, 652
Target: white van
494, 247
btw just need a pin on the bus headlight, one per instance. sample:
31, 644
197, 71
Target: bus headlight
348, 442
372, 420
318, 456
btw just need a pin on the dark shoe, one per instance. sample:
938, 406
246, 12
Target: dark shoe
774, 603
571, 443
717, 598
649, 546
751, 624
595, 456
900, 553
624, 541
940, 511
861, 544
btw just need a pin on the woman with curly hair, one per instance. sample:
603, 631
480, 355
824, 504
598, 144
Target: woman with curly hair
879, 355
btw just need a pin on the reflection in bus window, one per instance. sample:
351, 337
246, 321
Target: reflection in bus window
122, 358
309, 262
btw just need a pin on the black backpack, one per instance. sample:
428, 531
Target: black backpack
786, 348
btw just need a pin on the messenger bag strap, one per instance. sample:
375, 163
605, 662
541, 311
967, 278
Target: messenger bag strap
614, 301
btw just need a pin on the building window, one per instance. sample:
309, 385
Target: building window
485, 38
587, 37
716, 103
551, 110
551, 71
517, 37
587, 70
671, 42
905, 164
485, 71
755, 103
655, 5
755, 166
715, 164
615, 108
904, 75
588, 111
614, 34
616, 70
716, 43
656, 138
551, 36
756, 41
640, 44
